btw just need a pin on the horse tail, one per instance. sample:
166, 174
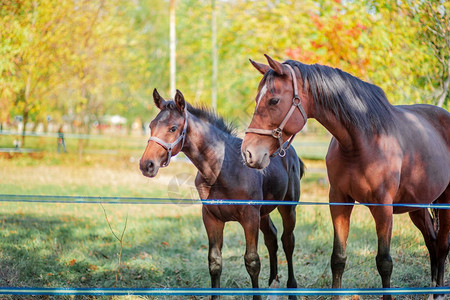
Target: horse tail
435, 217
302, 168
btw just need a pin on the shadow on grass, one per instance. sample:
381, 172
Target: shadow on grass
50, 252
78, 251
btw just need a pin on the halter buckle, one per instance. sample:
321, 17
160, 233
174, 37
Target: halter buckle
276, 133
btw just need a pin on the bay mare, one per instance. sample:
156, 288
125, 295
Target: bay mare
380, 154
215, 151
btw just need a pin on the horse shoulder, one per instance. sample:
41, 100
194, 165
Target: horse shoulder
203, 188
369, 174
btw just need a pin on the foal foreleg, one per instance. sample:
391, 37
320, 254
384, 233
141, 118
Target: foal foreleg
214, 230
270, 240
251, 257
288, 240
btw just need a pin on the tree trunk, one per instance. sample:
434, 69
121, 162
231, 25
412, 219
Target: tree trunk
445, 87
172, 48
214, 57
25, 122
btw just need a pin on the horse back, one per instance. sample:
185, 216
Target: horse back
435, 116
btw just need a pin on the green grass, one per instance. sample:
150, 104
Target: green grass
71, 245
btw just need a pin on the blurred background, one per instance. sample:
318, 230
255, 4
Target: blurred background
91, 66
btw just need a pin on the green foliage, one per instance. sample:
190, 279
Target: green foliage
79, 60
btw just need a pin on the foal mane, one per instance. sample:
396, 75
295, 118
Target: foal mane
210, 116
353, 101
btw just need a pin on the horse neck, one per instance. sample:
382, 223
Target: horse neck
349, 139
205, 147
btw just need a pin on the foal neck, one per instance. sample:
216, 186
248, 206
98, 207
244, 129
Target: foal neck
206, 146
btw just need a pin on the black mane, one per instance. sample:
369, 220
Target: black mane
353, 101
208, 115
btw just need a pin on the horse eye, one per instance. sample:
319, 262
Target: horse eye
274, 101
173, 128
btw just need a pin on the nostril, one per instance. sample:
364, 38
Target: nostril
150, 165
249, 157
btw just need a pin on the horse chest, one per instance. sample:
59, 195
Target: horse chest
374, 181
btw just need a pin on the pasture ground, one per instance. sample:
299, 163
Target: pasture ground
71, 245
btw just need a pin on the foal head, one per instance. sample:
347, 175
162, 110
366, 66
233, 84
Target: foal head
273, 123
168, 132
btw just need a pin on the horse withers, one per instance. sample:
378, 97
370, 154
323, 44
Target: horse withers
380, 154
214, 149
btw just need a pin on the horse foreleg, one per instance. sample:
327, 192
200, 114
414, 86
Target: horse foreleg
383, 222
270, 240
422, 220
288, 240
340, 215
214, 230
251, 257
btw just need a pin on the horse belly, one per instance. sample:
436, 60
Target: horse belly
422, 184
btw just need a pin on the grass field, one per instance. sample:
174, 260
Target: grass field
71, 245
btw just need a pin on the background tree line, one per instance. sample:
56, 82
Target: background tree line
77, 60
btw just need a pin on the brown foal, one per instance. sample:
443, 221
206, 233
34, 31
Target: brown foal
213, 148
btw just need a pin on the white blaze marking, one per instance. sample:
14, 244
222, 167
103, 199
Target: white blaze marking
261, 95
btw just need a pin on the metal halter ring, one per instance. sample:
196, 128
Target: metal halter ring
277, 132
296, 97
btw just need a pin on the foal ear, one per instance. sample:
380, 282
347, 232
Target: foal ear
262, 68
179, 101
276, 66
159, 101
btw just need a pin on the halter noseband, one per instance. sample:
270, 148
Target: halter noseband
169, 146
278, 132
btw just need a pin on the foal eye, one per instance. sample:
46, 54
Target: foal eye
274, 101
173, 128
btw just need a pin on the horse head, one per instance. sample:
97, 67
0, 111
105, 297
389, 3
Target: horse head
276, 118
168, 133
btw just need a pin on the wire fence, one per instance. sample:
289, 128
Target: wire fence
156, 200
61, 291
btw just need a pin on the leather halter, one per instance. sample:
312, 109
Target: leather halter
169, 146
277, 133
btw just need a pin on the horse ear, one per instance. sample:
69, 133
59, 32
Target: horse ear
159, 101
179, 101
262, 68
276, 66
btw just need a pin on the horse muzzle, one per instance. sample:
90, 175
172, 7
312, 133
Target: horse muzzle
255, 158
148, 168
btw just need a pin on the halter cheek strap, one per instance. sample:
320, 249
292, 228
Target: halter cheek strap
169, 146
278, 132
